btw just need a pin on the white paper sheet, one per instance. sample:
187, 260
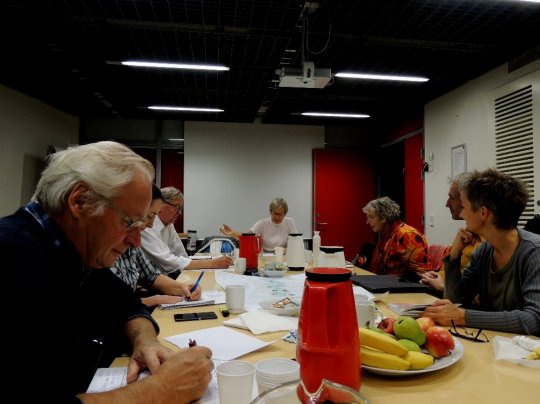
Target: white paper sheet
259, 289
225, 343
259, 322
505, 349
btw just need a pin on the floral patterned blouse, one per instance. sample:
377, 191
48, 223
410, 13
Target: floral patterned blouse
402, 251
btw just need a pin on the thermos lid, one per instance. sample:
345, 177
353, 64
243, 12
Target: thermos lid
330, 249
328, 274
248, 234
295, 234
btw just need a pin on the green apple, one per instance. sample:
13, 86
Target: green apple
407, 328
410, 345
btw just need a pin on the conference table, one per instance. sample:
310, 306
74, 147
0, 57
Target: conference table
475, 378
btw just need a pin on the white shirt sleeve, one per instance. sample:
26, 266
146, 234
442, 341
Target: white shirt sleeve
164, 248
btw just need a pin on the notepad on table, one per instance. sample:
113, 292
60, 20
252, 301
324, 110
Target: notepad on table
208, 298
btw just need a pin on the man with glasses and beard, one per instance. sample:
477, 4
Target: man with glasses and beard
164, 248
504, 271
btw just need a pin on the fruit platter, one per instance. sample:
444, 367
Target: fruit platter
407, 347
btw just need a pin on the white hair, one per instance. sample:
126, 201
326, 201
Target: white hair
105, 167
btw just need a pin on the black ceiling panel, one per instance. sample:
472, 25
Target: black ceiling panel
65, 52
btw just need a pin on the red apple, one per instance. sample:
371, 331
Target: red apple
387, 325
425, 323
439, 341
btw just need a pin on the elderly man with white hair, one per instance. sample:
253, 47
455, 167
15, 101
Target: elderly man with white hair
70, 313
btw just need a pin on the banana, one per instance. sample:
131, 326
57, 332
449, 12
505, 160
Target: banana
384, 360
418, 360
381, 342
533, 356
537, 350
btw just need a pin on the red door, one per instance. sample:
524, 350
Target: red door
343, 182
414, 182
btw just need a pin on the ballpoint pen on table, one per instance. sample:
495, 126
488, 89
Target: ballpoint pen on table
194, 288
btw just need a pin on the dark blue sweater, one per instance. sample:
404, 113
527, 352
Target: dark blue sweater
63, 320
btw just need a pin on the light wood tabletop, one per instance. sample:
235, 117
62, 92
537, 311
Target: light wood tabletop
476, 378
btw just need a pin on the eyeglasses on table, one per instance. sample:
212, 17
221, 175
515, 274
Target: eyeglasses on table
471, 334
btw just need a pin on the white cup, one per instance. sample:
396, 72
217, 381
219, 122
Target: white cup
366, 313
235, 382
235, 296
240, 266
270, 373
279, 254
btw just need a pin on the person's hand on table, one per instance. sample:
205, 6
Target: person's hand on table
149, 355
223, 261
433, 279
443, 311
187, 373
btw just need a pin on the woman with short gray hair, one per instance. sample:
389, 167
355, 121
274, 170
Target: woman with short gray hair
401, 249
274, 230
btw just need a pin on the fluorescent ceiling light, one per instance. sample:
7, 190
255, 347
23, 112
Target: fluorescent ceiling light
191, 109
172, 139
380, 77
173, 65
335, 115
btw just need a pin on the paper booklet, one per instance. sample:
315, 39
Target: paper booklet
187, 303
408, 309
208, 298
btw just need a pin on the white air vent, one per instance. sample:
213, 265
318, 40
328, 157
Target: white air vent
514, 140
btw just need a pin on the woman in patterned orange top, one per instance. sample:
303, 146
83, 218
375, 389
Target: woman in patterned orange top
401, 250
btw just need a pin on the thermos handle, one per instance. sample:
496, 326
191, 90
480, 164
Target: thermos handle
318, 332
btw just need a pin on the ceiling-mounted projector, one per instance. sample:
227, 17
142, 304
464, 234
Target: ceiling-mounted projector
304, 77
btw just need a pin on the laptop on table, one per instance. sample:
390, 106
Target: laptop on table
390, 283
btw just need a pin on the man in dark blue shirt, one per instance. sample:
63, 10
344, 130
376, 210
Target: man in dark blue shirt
71, 315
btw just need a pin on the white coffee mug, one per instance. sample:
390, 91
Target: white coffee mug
235, 296
240, 266
367, 314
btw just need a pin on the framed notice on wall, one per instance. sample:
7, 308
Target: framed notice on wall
459, 159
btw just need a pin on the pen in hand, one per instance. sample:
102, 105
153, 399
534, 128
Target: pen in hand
192, 343
194, 288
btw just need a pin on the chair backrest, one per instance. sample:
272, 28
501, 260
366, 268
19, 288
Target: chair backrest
437, 253
218, 244
533, 225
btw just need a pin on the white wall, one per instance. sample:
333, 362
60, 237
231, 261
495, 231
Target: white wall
464, 116
27, 127
232, 172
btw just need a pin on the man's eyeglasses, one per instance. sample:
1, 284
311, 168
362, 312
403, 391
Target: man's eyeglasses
178, 208
131, 224
465, 333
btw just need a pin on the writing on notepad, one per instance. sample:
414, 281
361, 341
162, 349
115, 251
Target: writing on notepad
106, 379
